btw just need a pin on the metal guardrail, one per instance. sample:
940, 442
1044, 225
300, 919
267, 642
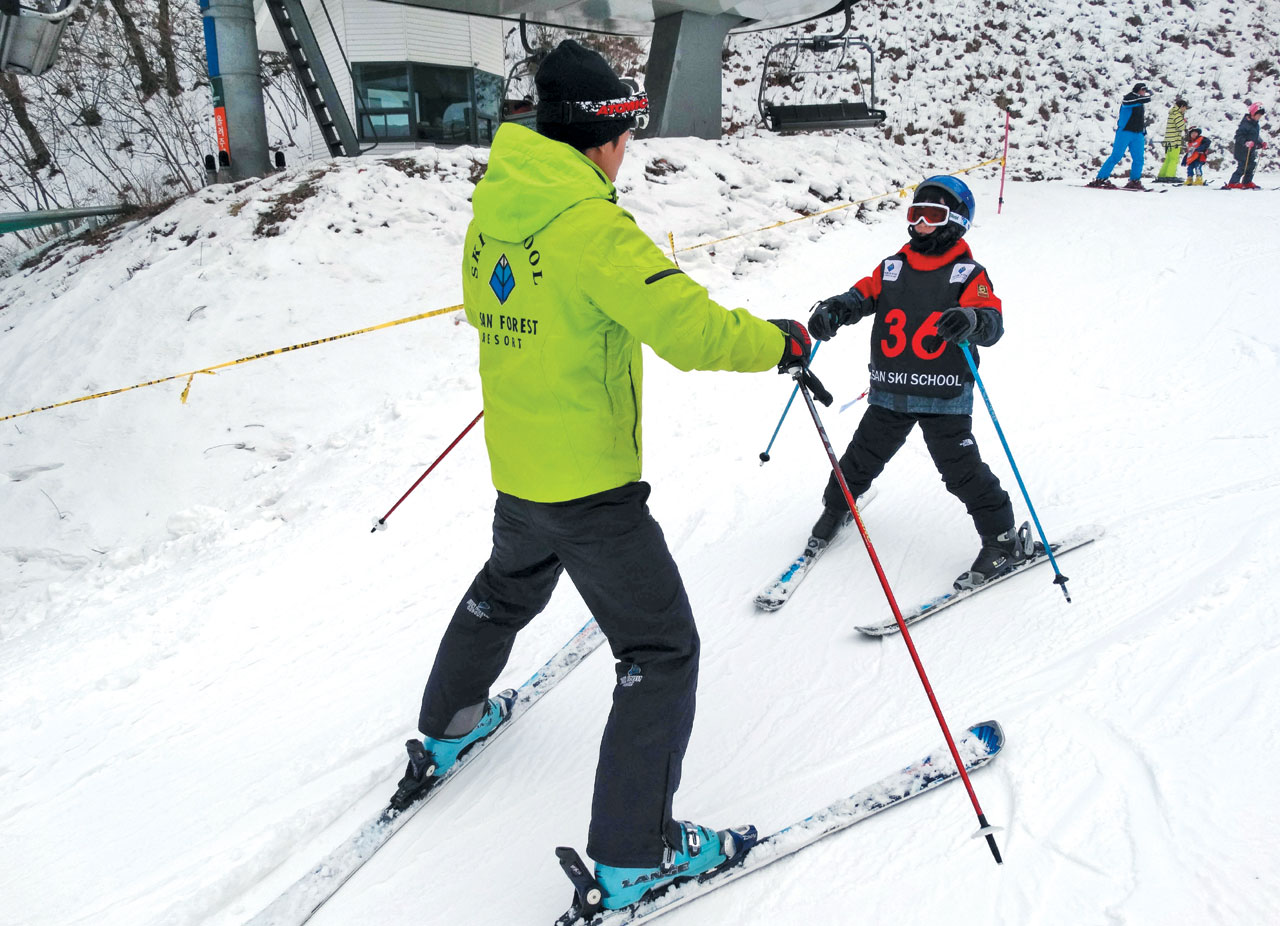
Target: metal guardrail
18, 221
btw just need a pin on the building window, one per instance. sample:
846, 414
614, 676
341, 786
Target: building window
403, 101
383, 90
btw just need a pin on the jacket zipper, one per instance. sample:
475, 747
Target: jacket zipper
635, 411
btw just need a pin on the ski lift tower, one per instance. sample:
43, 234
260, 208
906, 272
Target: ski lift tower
683, 77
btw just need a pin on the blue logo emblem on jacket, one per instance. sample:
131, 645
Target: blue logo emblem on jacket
502, 281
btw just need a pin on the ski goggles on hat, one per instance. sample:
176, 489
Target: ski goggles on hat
932, 214
576, 112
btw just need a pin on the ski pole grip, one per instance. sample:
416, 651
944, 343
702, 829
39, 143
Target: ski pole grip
804, 376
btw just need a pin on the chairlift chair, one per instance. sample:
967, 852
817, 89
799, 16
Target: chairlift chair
519, 97
518, 104
29, 33
829, 55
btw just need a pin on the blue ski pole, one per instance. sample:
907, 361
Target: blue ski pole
764, 454
1059, 578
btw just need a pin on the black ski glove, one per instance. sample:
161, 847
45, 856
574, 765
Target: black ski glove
830, 314
824, 321
957, 324
795, 358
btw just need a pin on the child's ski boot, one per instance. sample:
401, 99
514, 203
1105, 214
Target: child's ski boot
833, 520
830, 522
999, 554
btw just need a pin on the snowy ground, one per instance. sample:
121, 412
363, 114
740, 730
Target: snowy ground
210, 664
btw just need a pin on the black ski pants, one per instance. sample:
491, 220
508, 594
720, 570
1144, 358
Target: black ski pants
949, 439
1246, 161
617, 557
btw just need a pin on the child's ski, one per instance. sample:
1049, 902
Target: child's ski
947, 599
779, 591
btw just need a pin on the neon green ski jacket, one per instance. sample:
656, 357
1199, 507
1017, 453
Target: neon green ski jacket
563, 288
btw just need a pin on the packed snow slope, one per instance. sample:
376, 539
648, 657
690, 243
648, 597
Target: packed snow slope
210, 664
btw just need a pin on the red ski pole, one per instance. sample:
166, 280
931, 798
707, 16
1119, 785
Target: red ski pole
985, 828
381, 523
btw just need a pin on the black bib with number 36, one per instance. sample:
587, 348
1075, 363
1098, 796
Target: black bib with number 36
907, 355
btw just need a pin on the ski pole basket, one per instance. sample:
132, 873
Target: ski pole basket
823, 75
30, 32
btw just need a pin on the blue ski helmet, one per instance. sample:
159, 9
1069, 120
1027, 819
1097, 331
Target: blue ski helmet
957, 194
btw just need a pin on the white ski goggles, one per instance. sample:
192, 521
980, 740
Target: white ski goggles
931, 214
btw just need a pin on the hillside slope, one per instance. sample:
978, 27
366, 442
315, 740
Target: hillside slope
210, 664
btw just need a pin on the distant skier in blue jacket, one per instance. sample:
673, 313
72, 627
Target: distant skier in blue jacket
1131, 136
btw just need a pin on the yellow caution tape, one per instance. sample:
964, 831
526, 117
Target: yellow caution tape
212, 370
231, 363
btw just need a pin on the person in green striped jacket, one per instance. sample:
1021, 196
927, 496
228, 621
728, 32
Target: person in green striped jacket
1175, 131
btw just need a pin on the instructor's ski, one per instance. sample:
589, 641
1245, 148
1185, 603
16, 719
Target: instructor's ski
977, 747
931, 607
778, 592
310, 892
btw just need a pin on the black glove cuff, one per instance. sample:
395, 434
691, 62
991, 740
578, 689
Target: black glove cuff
852, 306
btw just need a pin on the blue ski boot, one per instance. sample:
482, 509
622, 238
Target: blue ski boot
703, 849
430, 759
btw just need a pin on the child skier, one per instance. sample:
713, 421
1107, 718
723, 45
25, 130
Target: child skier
1248, 142
925, 300
1196, 156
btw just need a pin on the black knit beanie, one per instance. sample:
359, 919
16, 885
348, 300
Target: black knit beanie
572, 72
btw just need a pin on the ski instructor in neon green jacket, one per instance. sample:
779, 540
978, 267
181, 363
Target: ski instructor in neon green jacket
563, 288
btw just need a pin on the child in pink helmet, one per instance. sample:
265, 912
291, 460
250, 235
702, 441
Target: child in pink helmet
1248, 143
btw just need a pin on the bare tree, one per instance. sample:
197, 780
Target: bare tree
12, 91
164, 25
148, 81
282, 92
